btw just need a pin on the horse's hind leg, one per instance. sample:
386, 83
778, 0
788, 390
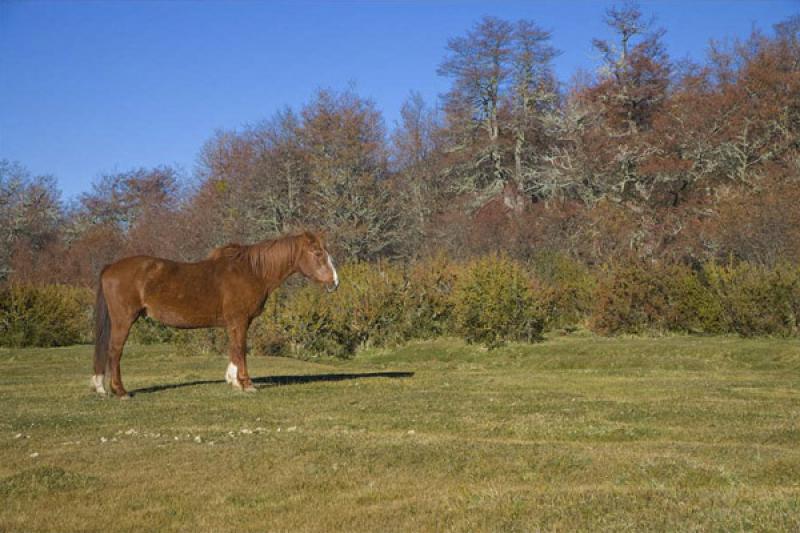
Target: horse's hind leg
119, 334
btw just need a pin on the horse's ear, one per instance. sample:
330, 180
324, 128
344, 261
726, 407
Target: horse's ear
315, 236
310, 238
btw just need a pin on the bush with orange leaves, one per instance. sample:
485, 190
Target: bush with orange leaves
639, 297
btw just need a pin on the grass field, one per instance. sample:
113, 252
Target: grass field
577, 432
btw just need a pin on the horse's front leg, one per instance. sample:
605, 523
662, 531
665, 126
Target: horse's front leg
237, 374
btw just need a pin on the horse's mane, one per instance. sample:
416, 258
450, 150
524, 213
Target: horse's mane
268, 257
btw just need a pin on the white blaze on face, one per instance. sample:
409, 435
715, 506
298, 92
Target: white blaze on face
335, 275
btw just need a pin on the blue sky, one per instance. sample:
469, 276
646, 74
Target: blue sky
93, 87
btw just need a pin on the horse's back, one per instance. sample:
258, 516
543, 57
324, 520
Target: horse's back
136, 269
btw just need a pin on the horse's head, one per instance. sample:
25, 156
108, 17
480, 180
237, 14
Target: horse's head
315, 262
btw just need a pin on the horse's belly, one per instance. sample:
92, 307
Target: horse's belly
182, 318
182, 310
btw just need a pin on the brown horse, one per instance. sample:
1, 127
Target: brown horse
227, 289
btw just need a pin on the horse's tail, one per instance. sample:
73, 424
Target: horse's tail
102, 335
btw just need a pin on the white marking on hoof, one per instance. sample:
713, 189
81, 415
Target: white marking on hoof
232, 375
97, 383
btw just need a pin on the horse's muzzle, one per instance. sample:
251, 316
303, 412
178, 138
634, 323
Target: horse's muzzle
332, 288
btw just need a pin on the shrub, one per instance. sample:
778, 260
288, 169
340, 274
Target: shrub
638, 297
190, 342
566, 288
756, 300
368, 309
494, 303
429, 297
148, 331
266, 335
46, 315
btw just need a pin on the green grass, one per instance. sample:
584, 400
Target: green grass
575, 433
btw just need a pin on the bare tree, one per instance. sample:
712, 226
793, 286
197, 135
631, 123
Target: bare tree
344, 142
415, 148
635, 67
30, 214
123, 199
534, 91
479, 65
281, 172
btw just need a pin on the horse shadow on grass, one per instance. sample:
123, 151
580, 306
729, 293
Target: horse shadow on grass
277, 380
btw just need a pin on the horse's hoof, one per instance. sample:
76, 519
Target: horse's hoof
250, 388
125, 396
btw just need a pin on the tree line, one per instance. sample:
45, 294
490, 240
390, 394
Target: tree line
648, 158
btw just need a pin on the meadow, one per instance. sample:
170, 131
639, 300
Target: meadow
577, 432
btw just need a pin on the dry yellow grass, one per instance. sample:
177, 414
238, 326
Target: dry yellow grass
576, 433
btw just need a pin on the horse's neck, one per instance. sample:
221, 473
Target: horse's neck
275, 279
273, 283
